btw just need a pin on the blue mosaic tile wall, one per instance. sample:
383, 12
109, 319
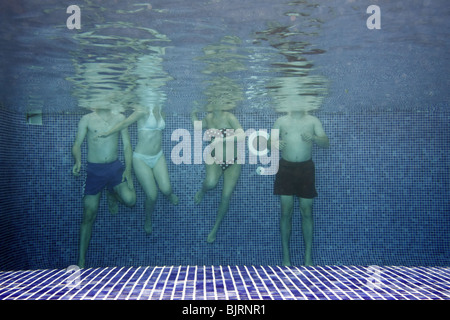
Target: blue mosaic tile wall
383, 199
12, 249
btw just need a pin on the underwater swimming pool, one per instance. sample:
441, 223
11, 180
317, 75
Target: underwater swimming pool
382, 97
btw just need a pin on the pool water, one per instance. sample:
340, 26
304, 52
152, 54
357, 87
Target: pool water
383, 183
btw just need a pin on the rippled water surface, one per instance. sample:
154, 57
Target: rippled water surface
253, 54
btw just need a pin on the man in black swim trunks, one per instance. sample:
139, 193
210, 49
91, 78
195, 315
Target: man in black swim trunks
104, 170
295, 177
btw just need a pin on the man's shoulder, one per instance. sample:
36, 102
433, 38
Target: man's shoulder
283, 118
313, 119
117, 117
85, 118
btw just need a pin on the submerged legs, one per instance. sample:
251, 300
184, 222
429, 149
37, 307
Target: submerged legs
148, 179
287, 203
91, 203
307, 228
230, 177
90, 208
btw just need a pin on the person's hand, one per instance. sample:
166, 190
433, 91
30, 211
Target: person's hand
279, 144
102, 135
126, 176
76, 169
307, 137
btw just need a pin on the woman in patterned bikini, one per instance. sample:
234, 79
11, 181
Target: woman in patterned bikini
225, 131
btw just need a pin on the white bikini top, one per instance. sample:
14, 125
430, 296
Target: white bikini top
152, 123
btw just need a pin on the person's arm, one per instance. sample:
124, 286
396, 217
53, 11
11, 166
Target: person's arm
319, 137
239, 133
195, 118
321, 141
274, 139
128, 155
124, 124
76, 148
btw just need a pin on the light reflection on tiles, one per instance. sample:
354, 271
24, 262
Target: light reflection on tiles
230, 283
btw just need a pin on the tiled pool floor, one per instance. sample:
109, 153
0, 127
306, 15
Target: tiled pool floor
229, 283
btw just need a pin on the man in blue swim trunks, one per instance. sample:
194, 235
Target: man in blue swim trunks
296, 174
104, 170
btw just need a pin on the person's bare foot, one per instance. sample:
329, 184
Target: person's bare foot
286, 263
211, 237
199, 197
173, 199
148, 225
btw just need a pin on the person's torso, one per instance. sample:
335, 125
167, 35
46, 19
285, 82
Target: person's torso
296, 148
104, 149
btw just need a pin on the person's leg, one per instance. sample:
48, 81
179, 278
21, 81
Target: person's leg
287, 204
125, 194
161, 174
230, 178
213, 173
307, 228
144, 174
90, 203
112, 199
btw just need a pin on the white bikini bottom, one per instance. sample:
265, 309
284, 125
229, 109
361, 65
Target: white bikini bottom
149, 160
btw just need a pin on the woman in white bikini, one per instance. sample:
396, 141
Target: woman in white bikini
149, 163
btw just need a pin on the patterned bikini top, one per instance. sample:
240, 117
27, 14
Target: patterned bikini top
219, 133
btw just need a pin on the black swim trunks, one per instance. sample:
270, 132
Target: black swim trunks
101, 175
296, 178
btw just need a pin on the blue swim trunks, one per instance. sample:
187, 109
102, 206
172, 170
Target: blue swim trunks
101, 175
